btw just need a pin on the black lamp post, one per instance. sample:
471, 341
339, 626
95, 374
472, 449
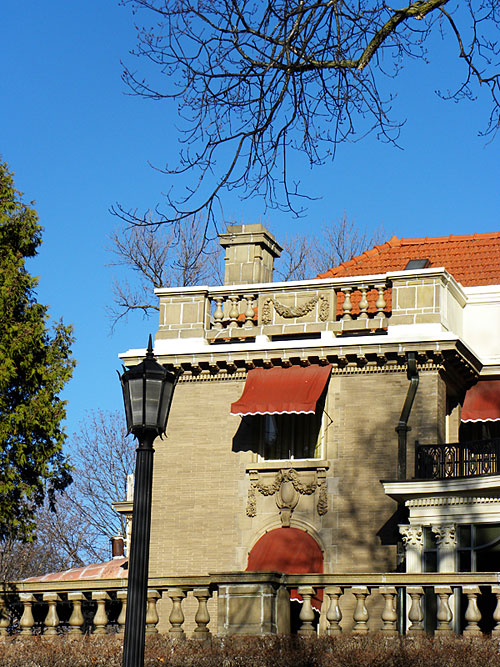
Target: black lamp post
147, 393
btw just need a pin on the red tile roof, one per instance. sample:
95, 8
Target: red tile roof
113, 569
472, 259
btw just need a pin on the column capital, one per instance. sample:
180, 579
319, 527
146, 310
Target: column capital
446, 535
412, 535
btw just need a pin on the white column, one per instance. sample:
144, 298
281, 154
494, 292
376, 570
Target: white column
413, 539
446, 539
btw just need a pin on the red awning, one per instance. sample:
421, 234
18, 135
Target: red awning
276, 391
288, 550
482, 402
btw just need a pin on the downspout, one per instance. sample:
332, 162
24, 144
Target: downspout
402, 428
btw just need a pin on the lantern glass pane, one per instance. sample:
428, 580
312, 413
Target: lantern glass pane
166, 399
126, 403
136, 389
153, 392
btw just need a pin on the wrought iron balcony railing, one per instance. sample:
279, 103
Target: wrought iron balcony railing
458, 459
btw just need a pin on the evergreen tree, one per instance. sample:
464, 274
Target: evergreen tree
35, 364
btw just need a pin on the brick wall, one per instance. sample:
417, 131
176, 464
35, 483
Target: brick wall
199, 522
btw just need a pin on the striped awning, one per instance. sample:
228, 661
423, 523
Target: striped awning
277, 391
482, 402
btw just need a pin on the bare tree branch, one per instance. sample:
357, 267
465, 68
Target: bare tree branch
339, 242
180, 255
255, 80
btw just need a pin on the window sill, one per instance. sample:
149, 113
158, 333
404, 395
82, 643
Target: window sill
285, 464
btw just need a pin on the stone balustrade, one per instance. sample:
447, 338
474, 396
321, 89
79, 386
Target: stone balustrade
301, 308
311, 308
298, 308
259, 603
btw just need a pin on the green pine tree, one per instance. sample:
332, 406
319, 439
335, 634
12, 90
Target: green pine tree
35, 364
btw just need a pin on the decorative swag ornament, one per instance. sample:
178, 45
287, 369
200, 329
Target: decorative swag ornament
288, 488
289, 312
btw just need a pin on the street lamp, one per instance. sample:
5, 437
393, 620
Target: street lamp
147, 394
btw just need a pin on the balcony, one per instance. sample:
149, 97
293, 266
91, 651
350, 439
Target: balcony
459, 459
313, 308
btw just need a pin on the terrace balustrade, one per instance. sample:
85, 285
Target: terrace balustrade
353, 305
351, 603
459, 459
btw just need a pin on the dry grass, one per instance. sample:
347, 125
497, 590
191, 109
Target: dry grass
275, 651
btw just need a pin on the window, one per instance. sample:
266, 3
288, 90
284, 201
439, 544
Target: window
285, 436
290, 436
478, 548
281, 412
430, 551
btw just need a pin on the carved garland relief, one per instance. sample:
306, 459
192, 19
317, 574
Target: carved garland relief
295, 311
288, 488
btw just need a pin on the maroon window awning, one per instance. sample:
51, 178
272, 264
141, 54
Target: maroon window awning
288, 550
277, 391
482, 402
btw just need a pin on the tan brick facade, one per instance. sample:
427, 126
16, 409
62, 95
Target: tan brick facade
199, 521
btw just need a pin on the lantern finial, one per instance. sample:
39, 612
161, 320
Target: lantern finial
149, 352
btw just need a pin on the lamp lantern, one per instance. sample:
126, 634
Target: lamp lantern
147, 394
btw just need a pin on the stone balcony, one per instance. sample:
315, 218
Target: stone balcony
320, 308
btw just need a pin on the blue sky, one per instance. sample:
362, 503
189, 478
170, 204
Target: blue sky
78, 144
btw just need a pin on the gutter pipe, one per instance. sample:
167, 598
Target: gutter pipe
402, 428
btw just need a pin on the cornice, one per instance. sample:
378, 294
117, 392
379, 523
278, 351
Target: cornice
367, 360
450, 501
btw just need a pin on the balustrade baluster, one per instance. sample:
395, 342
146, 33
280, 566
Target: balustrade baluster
101, 617
122, 595
380, 303
360, 614
363, 304
4, 616
233, 311
389, 615
444, 615
249, 313
176, 617
472, 615
306, 613
496, 614
334, 614
218, 313
27, 621
347, 305
416, 614
152, 617
51, 621
202, 617
76, 619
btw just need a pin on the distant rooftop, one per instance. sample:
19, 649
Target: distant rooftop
113, 569
471, 259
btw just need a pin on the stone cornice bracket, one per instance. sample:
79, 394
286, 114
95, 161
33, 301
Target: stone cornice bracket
446, 535
288, 488
412, 535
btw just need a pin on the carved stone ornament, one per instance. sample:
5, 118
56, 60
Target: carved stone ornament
288, 489
446, 535
412, 535
289, 312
